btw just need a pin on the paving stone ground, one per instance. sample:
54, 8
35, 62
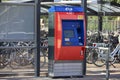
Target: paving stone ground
93, 73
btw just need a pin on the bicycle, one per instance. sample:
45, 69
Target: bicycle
101, 56
92, 50
43, 52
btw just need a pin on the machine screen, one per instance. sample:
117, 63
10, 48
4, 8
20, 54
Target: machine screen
73, 33
68, 33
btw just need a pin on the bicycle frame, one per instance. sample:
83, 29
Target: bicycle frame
114, 52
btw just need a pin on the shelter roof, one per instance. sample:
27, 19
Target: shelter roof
93, 8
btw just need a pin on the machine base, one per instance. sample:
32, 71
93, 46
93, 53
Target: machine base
65, 69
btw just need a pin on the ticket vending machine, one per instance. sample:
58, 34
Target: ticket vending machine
66, 41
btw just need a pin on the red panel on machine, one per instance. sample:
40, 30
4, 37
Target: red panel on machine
71, 53
67, 52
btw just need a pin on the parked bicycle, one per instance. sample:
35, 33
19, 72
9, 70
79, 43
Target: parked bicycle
90, 50
19, 54
101, 57
98, 53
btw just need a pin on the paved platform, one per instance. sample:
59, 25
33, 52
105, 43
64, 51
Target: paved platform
87, 77
93, 73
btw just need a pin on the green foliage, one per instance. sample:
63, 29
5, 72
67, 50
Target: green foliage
116, 1
45, 18
109, 23
92, 22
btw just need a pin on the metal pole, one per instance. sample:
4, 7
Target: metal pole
100, 19
107, 62
100, 22
84, 5
37, 54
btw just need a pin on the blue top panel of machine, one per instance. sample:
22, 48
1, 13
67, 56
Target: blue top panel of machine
65, 9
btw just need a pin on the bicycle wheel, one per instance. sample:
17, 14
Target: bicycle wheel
98, 58
24, 57
14, 59
4, 58
42, 58
89, 56
20, 58
113, 60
